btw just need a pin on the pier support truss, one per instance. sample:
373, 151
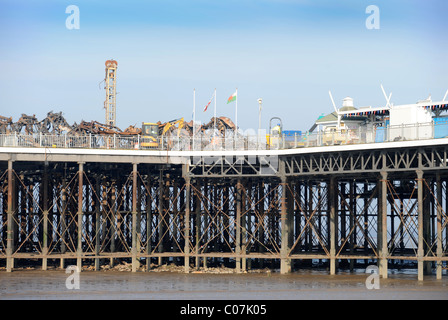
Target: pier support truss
338, 211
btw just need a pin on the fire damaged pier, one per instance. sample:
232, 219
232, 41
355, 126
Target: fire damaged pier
364, 186
331, 206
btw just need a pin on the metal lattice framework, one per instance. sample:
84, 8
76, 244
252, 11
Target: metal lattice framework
337, 209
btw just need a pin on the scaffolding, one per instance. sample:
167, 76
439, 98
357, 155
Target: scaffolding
110, 104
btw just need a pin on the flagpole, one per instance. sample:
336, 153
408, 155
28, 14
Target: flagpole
236, 111
194, 112
214, 131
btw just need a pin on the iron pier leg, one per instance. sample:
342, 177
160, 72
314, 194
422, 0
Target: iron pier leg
187, 224
382, 228
148, 223
113, 216
10, 245
352, 227
197, 226
63, 222
205, 222
238, 227
285, 217
420, 250
244, 228
427, 239
45, 218
135, 263
162, 216
80, 216
98, 222
261, 238
439, 227
332, 198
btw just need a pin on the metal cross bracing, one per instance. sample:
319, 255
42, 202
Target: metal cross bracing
413, 235
230, 221
309, 204
4, 208
391, 212
358, 219
433, 158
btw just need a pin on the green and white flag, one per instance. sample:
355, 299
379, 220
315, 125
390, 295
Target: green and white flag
232, 98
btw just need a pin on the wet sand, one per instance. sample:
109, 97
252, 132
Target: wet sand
303, 285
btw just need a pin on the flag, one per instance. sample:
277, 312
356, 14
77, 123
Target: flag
205, 109
232, 98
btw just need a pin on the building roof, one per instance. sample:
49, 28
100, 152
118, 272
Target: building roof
333, 117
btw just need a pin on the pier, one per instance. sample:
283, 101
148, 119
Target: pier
336, 207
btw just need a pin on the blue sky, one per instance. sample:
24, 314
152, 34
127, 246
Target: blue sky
288, 52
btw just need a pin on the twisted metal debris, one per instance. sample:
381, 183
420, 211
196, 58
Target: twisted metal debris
55, 123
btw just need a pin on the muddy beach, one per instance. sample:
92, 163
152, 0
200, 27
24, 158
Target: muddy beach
166, 282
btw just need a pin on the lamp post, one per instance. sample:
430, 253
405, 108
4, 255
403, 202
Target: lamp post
259, 121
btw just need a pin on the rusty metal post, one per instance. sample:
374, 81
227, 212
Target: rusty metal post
10, 245
261, 238
113, 216
148, 223
45, 217
135, 263
161, 216
427, 206
187, 222
308, 230
366, 219
197, 227
382, 227
420, 250
238, 227
139, 220
62, 219
205, 220
80, 215
285, 217
439, 228
175, 217
98, 223
225, 218
244, 228
353, 200
285, 262
332, 199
